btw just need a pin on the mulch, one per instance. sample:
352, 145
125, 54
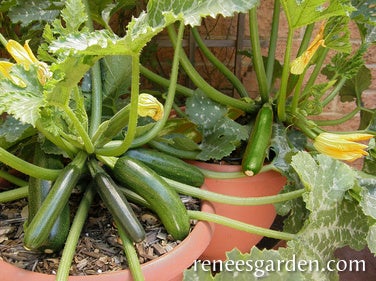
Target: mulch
99, 248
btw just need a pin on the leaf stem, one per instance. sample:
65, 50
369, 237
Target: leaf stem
341, 120
239, 225
285, 77
238, 85
96, 98
170, 95
257, 56
12, 179
89, 147
133, 114
335, 91
164, 82
14, 194
131, 254
273, 44
204, 86
232, 200
74, 234
27, 168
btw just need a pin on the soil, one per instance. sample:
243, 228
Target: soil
99, 248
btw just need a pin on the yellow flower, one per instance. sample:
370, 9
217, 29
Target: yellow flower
24, 56
342, 147
5, 70
300, 63
150, 106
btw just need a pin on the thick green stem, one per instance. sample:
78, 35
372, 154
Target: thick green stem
67, 147
341, 120
257, 56
335, 91
238, 85
96, 98
232, 200
211, 92
3, 40
273, 44
198, 215
165, 82
285, 77
316, 71
131, 254
74, 234
12, 179
170, 95
133, 115
296, 96
14, 194
27, 168
96, 81
89, 147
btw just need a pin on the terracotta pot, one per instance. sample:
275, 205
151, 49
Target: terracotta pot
169, 267
263, 184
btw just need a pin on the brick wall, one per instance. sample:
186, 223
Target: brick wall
225, 29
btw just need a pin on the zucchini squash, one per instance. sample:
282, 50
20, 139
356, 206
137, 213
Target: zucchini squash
168, 166
162, 198
259, 141
116, 202
37, 231
38, 190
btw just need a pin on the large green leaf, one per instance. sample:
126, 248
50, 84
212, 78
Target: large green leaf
140, 30
334, 222
23, 103
304, 12
221, 135
34, 11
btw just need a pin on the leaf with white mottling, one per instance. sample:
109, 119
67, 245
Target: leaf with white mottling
333, 177
23, 103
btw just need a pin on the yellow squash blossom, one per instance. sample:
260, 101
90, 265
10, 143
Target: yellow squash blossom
5, 70
25, 57
300, 63
342, 147
150, 106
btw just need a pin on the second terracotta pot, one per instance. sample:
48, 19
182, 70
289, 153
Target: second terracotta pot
263, 184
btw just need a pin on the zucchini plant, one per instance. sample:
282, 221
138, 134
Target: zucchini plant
81, 99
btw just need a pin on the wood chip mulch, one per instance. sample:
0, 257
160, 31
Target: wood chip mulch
99, 248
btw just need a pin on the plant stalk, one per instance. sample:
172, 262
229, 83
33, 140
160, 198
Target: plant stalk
27, 168
282, 95
12, 179
199, 215
232, 200
273, 44
131, 254
14, 194
204, 86
238, 85
74, 234
257, 56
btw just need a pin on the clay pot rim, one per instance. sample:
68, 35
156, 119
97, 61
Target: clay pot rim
202, 233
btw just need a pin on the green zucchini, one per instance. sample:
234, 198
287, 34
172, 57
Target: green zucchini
37, 232
163, 200
116, 202
259, 141
168, 166
38, 190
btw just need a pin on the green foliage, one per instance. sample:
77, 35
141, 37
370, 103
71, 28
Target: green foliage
221, 134
305, 12
333, 217
23, 103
